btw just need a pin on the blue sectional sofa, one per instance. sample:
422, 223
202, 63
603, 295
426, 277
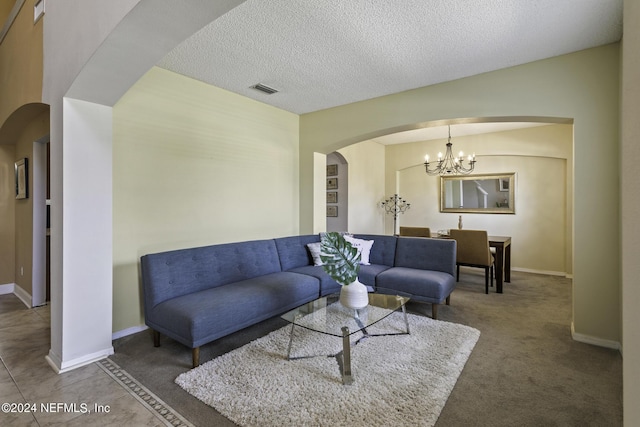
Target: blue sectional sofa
198, 295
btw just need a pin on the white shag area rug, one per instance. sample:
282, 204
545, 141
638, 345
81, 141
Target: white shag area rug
398, 380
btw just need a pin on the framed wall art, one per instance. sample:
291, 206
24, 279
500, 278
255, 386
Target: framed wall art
22, 178
332, 170
504, 183
332, 197
332, 211
332, 183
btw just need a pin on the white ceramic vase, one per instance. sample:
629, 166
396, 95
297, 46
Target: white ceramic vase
354, 295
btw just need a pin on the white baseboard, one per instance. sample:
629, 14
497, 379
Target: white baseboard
128, 331
61, 367
534, 271
23, 296
546, 272
7, 288
600, 342
12, 288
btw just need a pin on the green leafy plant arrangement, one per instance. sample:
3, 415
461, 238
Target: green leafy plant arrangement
341, 260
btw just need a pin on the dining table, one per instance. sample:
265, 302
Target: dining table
502, 245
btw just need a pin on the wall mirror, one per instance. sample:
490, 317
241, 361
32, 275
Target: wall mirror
478, 193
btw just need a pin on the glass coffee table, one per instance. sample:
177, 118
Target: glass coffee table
327, 316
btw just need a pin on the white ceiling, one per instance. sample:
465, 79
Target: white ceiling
325, 53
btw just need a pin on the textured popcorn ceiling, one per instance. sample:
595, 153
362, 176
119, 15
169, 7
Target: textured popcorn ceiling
325, 53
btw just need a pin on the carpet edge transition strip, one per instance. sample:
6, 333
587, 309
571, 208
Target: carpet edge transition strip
153, 403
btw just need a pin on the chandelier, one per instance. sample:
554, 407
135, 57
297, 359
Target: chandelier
449, 165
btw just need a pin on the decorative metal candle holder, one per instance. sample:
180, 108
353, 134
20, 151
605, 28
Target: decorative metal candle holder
395, 205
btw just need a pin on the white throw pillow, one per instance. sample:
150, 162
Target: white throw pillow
314, 249
363, 246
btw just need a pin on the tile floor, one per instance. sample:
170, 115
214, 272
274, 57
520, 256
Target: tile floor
32, 394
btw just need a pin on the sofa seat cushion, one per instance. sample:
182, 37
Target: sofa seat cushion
201, 317
368, 273
423, 285
327, 284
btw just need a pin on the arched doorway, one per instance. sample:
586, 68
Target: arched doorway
26, 134
337, 193
511, 145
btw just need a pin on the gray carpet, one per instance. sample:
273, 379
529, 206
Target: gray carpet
524, 371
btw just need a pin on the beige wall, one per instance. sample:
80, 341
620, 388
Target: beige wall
195, 165
582, 86
541, 157
22, 120
21, 63
630, 231
366, 186
5, 9
7, 213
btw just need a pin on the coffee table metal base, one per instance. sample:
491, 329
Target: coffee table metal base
345, 355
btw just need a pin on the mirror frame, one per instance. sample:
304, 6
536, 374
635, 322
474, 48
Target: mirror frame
508, 178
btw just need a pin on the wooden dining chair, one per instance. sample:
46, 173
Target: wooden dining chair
473, 251
415, 231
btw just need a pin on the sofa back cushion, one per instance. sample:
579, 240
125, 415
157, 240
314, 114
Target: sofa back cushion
426, 254
172, 274
383, 251
293, 251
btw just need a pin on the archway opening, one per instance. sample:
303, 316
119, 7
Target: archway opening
538, 149
337, 192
